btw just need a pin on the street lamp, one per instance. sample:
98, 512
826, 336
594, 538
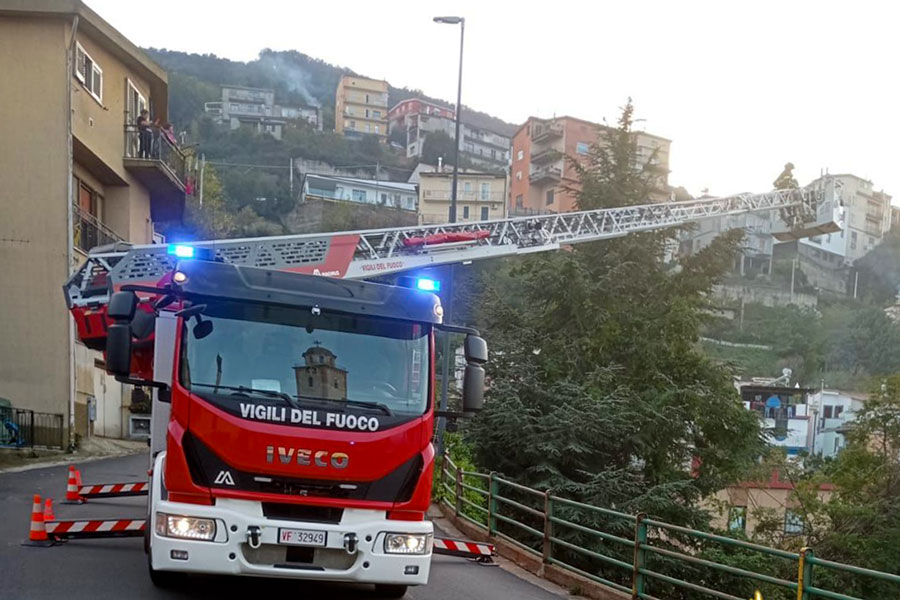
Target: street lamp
445, 368
462, 33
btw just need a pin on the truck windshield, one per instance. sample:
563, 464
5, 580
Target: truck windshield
351, 362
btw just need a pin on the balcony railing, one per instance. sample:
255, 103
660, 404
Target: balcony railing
155, 147
88, 231
546, 174
463, 196
546, 132
545, 156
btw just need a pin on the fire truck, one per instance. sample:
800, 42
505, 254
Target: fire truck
294, 401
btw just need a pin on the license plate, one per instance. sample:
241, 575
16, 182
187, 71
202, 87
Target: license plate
301, 537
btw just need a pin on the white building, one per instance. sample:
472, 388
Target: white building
867, 218
832, 410
362, 191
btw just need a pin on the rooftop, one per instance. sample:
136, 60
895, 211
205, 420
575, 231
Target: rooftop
388, 185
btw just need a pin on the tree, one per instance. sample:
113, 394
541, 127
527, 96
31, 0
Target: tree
597, 388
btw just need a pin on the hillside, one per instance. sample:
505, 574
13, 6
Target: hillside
295, 77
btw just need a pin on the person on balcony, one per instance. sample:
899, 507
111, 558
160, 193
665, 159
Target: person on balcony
145, 134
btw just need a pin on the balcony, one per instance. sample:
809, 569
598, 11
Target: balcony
463, 196
546, 132
545, 156
160, 167
88, 231
546, 175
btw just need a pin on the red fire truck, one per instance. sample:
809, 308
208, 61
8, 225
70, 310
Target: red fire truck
294, 405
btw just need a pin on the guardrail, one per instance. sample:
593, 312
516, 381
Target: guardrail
640, 556
22, 428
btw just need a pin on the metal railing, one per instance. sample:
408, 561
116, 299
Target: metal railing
637, 555
156, 147
89, 232
21, 428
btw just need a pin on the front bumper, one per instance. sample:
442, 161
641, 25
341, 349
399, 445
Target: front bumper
231, 553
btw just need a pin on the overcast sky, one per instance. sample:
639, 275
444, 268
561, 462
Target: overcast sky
740, 88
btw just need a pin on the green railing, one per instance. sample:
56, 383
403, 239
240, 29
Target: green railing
635, 554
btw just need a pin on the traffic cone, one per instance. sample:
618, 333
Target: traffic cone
72, 487
78, 477
48, 510
37, 535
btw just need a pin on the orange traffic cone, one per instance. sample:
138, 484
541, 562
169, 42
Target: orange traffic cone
48, 510
37, 536
78, 477
72, 487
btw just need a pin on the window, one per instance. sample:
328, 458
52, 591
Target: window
582, 147
367, 113
518, 175
520, 155
358, 195
737, 518
377, 129
519, 201
549, 197
853, 240
352, 124
309, 381
465, 212
367, 98
376, 114
485, 190
467, 187
484, 213
368, 128
828, 411
89, 73
793, 522
384, 199
837, 411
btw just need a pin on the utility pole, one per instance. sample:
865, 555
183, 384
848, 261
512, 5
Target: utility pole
291, 169
202, 169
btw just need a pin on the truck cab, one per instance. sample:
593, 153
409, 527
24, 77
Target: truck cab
292, 421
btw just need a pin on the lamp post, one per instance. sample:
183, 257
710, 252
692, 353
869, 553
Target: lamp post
445, 367
462, 34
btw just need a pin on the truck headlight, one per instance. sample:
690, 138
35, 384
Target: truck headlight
407, 543
188, 528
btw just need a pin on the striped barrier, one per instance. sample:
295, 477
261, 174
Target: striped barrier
95, 528
113, 490
465, 549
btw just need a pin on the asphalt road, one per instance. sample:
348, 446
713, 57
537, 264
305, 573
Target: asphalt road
117, 568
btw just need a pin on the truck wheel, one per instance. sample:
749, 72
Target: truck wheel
384, 590
163, 579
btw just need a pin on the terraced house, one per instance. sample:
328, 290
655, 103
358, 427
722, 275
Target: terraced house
74, 176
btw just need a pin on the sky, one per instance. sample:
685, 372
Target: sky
739, 88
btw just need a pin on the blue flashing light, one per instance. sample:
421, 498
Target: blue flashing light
181, 251
428, 285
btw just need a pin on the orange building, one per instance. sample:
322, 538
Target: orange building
542, 181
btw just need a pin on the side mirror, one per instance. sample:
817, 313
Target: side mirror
473, 389
121, 309
118, 349
476, 351
121, 306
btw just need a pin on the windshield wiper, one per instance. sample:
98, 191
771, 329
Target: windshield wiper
242, 389
360, 403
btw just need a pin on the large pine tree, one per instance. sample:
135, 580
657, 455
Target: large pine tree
598, 388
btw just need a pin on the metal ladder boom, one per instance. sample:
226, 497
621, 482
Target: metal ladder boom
368, 253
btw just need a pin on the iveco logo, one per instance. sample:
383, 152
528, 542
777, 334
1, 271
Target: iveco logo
305, 457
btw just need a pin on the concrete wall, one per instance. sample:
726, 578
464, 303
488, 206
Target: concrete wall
34, 334
764, 295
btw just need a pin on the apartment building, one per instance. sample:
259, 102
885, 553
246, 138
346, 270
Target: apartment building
361, 107
479, 146
543, 180
74, 176
867, 218
255, 108
479, 197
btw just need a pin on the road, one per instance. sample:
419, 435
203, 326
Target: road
117, 568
